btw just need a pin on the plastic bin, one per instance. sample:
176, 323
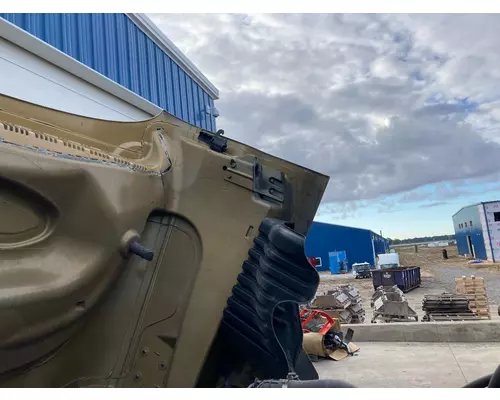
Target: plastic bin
405, 278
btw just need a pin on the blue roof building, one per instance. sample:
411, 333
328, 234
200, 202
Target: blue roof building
330, 243
110, 66
477, 230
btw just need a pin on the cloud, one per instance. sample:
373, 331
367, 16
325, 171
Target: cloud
341, 210
384, 104
435, 204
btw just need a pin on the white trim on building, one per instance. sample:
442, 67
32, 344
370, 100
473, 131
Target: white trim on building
44, 51
31, 78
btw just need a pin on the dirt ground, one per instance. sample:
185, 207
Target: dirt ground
430, 258
438, 276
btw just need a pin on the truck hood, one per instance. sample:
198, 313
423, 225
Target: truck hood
76, 193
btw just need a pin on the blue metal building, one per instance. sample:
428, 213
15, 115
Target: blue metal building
326, 242
122, 55
477, 230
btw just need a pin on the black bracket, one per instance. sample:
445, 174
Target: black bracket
216, 141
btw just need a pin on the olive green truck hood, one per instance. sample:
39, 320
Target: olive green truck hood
79, 299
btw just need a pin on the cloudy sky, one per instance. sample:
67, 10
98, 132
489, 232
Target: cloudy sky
401, 111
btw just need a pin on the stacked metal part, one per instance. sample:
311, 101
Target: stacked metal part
344, 303
447, 307
356, 308
390, 304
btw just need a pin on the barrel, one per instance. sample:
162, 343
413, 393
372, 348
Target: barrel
405, 278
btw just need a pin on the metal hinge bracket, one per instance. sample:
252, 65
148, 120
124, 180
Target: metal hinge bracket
266, 183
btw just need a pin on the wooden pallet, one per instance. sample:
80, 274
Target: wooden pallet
471, 289
481, 313
476, 296
479, 304
480, 309
483, 317
471, 292
470, 286
475, 290
468, 279
484, 312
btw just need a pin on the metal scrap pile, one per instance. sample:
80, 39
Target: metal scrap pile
447, 307
390, 304
344, 303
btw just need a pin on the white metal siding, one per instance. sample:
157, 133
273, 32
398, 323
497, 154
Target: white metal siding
484, 228
30, 78
493, 228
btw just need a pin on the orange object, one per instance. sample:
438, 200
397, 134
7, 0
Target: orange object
307, 316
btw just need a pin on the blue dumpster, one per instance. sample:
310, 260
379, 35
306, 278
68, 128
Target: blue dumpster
406, 278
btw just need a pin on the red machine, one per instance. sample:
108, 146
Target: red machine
307, 316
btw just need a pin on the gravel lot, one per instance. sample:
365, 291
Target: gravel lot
446, 276
443, 272
438, 276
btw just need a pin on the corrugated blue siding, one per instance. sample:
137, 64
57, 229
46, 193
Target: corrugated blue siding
323, 238
380, 244
466, 215
114, 46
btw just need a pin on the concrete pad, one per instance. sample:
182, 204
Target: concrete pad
408, 365
457, 331
476, 361
474, 331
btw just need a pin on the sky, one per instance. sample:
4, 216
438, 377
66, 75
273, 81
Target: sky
401, 111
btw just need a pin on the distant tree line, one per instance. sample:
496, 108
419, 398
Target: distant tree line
422, 239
